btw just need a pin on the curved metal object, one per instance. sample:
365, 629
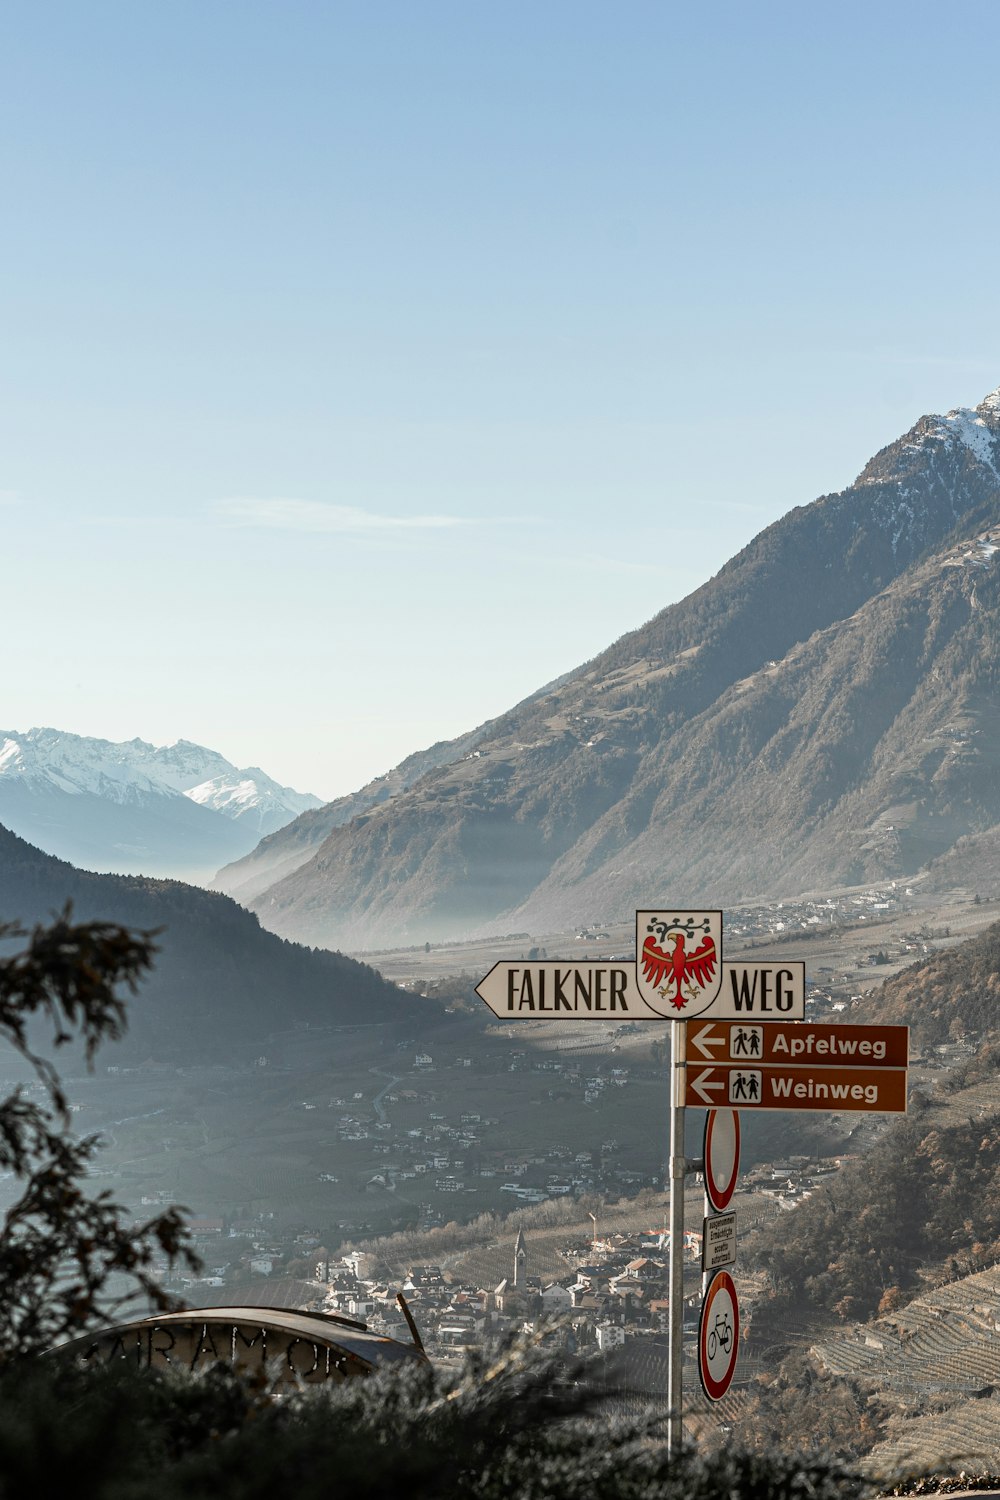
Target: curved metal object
290, 1346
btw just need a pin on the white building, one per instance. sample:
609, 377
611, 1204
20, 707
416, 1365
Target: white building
609, 1336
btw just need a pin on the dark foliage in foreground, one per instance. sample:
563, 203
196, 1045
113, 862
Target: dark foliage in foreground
787, 1410
62, 1248
513, 1431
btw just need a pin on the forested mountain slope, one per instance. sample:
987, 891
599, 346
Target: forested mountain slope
221, 984
952, 996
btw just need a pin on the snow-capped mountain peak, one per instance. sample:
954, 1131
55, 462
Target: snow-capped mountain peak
971, 429
122, 798
120, 770
990, 404
250, 792
941, 464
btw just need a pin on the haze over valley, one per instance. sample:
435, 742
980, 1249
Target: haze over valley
809, 736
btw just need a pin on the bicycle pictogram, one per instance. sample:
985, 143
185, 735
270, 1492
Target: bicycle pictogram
720, 1335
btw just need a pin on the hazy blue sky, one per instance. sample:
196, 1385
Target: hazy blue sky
364, 366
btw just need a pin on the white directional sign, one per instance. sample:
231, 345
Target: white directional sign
565, 992
762, 992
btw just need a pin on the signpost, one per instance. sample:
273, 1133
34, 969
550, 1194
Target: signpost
761, 992
564, 992
870, 1046
737, 1041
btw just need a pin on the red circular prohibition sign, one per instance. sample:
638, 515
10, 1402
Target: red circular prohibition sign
722, 1156
718, 1336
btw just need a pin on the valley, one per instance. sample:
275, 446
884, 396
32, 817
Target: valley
425, 1148
850, 938
807, 740
340, 1131
473, 474
820, 714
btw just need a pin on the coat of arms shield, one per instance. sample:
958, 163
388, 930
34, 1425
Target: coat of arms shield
678, 960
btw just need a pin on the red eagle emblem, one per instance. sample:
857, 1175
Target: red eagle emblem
677, 968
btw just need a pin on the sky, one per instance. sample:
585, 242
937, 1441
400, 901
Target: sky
365, 366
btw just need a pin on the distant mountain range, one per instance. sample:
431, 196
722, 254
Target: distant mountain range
178, 810
221, 985
824, 711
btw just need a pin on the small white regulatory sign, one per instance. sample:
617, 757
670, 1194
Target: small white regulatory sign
722, 1156
718, 1245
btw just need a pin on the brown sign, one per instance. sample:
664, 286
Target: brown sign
823, 1046
865, 1090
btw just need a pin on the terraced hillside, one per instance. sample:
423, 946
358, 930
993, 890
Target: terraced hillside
939, 1359
946, 1342
965, 1438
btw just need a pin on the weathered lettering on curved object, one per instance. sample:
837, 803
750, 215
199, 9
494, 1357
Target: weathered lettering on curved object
292, 1347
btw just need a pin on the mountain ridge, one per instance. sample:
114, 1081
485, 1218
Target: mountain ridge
612, 786
282, 852
221, 985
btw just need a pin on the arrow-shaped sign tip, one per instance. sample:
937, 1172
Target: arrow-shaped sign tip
703, 1084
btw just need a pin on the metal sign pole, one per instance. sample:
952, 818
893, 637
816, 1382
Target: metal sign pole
706, 1212
678, 1169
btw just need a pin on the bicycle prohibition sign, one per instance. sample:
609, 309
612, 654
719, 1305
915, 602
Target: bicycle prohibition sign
718, 1336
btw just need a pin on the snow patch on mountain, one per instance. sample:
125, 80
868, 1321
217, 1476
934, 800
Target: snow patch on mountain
990, 405
976, 431
927, 469
969, 428
250, 794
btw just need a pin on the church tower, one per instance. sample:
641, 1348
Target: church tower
520, 1261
